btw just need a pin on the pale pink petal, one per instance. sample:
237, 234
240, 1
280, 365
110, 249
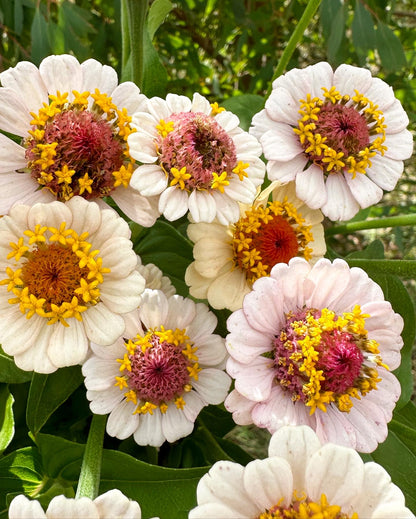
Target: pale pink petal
347, 79
282, 106
340, 204
364, 190
281, 143
291, 279
310, 187
328, 281
399, 145
334, 426
150, 180
286, 171
213, 385
142, 210
240, 407
252, 381
385, 172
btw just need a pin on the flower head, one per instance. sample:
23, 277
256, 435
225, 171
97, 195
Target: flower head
68, 275
196, 157
111, 504
74, 120
229, 258
155, 379
340, 135
315, 346
300, 479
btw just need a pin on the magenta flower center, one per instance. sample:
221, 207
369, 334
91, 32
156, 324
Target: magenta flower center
199, 144
321, 357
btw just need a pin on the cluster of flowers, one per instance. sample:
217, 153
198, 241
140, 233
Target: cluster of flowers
310, 341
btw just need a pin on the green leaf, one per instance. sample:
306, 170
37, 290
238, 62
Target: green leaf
217, 420
10, 373
48, 392
40, 47
363, 33
375, 250
337, 33
389, 48
154, 73
20, 472
6, 417
164, 492
157, 13
167, 248
244, 106
328, 10
18, 16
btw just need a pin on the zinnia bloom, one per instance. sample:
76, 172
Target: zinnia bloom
340, 135
68, 275
74, 120
229, 258
300, 479
155, 379
154, 278
315, 345
113, 504
196, 157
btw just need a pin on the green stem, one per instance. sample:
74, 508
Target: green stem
125, 36
403, 268
136, 12
295, 39
89, 479
376, 223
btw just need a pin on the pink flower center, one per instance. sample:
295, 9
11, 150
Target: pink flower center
199, 144
321, 357
159, 374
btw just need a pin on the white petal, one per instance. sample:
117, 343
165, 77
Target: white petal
227, 120
14, 188
114, 504
36, 358
22, 507
200, 104
175, 425
149, 431
86, 215
142, 210
211, 351
204, 323
154, 308
202, 206
241, 191
283, 107
347, 79
51, 215
96, 75
118, 256
385, 172
17, 333
217, 510
213, 385
111, 225
269, 482
286, 171
380, 93
102, 326
150, 180
173, 203
62, 507
142, 147
181, 312
127, 95
396, 118
61, 74
122, 295
103, 402
399, 145
310, 187
227, 209
364, 190
193, 405
281, 143
122, 422
14, 116
340, 204
177, 104
12, 157
240, 407
228, 290
68, 344
100, 373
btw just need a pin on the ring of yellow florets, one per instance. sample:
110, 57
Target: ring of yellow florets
321, 357
269, 235
304, 508
77, 150
196, 153
157, 370
57, 275
324, 150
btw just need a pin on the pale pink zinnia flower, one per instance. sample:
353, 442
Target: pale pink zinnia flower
155, 379
73, 121
340, 135
229, 258
300, 479
195, 156
113, 504
315, 345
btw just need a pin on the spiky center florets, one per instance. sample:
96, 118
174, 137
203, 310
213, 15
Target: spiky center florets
321, 357
158, 369
57, 274
77, 150
341, 133
305, 508
269, 235
197, 153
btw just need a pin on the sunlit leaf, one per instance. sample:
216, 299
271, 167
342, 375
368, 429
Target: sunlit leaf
6, 417
158, 11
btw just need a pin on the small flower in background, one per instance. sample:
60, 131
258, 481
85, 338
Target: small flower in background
69, 271
340, 135
154, 278
315, 345
196, 157
156, 378
74, 120
228, 259
111, 505
300, 479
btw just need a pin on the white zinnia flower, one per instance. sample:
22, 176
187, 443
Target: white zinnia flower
228, 259
195, 156
74, 120
69, 272
340, 135
154, 278
156, 378
300, 479
315, 345
111, 505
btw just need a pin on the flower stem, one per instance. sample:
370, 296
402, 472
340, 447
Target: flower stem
376, 223
295, 39
89, 479
403, 268
136, 15
125, 36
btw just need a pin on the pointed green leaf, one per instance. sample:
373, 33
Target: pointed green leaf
6, 417
389, 48
40, 47
154, 73
363, 33
48, 392
244, 106
157, 13
10, 373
